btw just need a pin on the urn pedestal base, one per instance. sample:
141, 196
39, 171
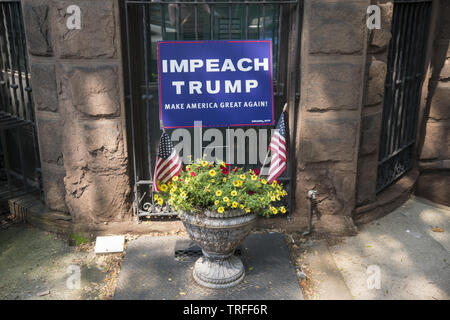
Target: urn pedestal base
218, 270
218, 235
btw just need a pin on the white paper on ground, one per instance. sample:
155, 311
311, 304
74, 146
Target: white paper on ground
108, 244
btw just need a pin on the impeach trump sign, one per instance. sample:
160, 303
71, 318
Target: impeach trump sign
221, 83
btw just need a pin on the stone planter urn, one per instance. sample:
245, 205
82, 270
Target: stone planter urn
218, 235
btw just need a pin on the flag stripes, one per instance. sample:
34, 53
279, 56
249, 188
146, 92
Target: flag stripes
168, 164
278, 147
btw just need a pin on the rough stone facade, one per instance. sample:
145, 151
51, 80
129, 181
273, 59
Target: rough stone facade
434, 159
333, 54
371, 116
78, 90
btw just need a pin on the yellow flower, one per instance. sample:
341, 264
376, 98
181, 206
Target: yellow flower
224, 179
247, 210
218, 193
242, 206
160, 201
235, 204
223, 164
278, 197
274, 184
283, 209
187, 180
216, 202
170, 184
226, 199
155, 197
175, 178
164, 187
221, 210
183, 194
274, 210
236, 183
212, 173
233, 193
212, 180
188, 168
272, 198
204, 163
263, 181
170, 202
261, 198
254, 177
242, 176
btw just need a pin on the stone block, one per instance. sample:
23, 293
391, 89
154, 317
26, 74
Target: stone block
440, 62
337, 28
380, 38
375, 83
440, 103
97, 177
366, 179
335, 188
54, 188
43, 81
97, 37
90, 91
96, 145
434, 186
50, 141
370, 133
437, 141
328, 139
37, 27
94, 197
319, 179
445, 71
444, 28
333, 86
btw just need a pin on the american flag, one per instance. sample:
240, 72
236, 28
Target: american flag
279, 151
168, 164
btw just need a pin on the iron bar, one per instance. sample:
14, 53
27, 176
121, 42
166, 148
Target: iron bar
130, 88
403, 90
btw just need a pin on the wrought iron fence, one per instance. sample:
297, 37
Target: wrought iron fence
19, 156
403, 85
146, 22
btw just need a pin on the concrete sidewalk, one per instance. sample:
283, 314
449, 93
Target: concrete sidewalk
409, 248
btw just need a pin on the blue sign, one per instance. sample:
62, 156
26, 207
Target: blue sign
221, 83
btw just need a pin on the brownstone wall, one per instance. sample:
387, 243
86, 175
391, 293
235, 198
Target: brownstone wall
334, 44
434, 156
78, 93
376, 68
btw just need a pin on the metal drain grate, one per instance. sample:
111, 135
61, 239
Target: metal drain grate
194, 251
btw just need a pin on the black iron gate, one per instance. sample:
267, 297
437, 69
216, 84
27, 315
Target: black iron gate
404, 80
149, 21
19, 156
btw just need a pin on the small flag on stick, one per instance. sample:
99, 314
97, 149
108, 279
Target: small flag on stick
278, 148
168, 164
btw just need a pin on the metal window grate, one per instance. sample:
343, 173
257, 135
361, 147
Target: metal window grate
19, 151
403, 85
149, 21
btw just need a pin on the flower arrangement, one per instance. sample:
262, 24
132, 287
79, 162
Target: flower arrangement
217, 187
